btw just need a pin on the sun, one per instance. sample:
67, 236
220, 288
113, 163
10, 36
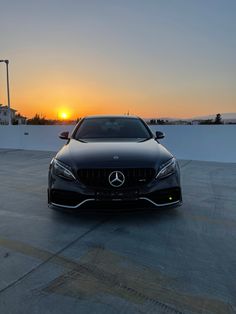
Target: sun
63, 115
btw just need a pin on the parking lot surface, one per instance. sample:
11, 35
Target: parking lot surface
179, 260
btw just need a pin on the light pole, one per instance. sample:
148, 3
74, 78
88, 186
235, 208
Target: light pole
8, 91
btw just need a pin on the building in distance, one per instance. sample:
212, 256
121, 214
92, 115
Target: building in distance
16, 118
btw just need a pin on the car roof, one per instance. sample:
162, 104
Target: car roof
111, 116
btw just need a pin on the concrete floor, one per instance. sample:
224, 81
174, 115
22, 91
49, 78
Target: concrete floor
172, 261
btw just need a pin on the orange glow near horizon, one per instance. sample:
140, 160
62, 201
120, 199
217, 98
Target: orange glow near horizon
143, 110
56, 98
167, 106
50, 93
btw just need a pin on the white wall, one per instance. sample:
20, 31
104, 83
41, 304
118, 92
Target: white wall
196, 142
35, 137
201, 142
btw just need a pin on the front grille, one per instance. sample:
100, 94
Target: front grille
99, 177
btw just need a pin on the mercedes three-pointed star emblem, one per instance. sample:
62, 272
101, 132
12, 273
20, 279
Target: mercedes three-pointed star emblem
116, 179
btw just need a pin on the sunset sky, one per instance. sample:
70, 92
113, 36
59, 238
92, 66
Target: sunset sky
157, 58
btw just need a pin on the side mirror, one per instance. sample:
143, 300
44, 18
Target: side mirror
159, 135
64, 135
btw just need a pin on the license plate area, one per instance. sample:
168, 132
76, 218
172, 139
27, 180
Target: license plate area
117, 195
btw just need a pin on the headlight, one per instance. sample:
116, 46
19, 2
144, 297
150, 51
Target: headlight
62, 170
167, 169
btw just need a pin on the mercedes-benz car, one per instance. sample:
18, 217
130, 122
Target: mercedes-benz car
113, 162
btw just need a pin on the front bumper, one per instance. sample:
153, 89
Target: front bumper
73, 195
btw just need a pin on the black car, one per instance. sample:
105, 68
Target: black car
113, 162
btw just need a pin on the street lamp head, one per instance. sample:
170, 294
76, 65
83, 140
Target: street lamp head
6, 61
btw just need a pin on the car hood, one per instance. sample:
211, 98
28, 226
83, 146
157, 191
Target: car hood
146, 154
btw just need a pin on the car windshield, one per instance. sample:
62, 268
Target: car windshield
112, 128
